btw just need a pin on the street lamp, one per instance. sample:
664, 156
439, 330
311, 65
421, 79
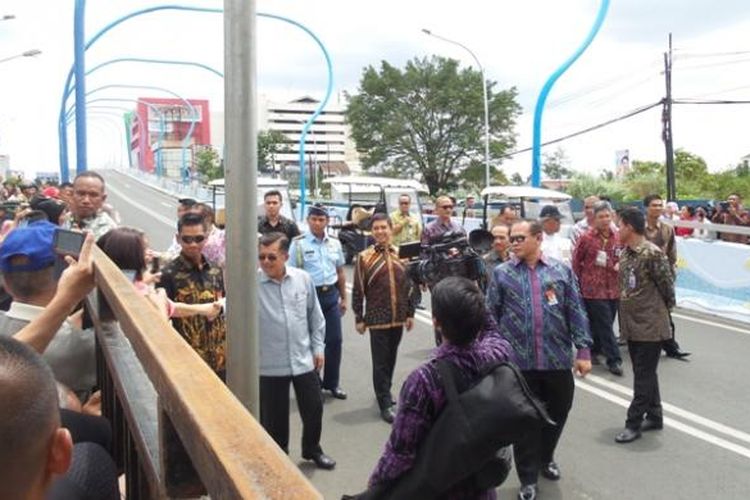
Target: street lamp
28, 53
486, 103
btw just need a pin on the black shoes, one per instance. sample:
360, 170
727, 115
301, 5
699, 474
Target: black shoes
677, 354
527, 492
337, 393
388, 415
322, 461
551, 471
652, 425
615, 368
628, 435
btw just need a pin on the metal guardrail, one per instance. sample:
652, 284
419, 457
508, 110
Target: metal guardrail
713, 227
178, 430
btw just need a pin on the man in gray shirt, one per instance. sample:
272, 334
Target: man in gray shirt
291, 348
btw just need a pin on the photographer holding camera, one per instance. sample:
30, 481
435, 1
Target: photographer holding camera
733, 213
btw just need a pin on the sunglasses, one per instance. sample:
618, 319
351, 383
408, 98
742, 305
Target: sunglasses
517, 238
268, 256
447, 207
193, 239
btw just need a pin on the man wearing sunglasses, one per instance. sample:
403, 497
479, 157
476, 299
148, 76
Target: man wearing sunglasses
192, 279
443, 224
538, 307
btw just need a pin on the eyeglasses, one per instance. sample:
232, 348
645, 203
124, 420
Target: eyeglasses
517, 238
267, 256
193, 239
403, 202
447, 207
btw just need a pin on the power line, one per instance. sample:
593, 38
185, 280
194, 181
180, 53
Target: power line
691, 55
708, 101
631, 114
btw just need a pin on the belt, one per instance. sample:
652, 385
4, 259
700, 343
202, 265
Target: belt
325, 288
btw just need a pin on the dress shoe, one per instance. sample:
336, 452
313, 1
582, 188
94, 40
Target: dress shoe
551, 471
338, 393
616, 369
388, 415
628, 435
527, 492
652, 425
678, 354
322, 461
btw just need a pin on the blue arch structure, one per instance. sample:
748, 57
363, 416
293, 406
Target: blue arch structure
536, 167
145, 87
79, 65
162, 124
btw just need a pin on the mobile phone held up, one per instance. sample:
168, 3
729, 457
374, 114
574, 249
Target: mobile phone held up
68, 242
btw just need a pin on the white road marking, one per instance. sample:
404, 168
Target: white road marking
716, 324
696, 419
168, 205
670, 422
139, 206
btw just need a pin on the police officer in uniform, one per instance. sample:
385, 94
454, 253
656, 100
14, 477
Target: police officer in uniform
322, 257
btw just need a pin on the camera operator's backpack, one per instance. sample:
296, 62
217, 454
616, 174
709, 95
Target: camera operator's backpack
470, 436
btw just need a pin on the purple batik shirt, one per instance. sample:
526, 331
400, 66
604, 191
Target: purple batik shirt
540, 312
421, 400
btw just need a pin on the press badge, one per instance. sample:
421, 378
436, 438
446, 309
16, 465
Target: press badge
601, 258
631, 280
551, 296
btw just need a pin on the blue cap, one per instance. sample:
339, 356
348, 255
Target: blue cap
35, 242
317, 210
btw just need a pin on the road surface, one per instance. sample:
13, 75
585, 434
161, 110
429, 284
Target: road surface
703, 452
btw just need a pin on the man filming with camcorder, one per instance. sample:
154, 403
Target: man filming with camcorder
733, 213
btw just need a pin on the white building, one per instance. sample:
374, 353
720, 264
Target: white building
328, 143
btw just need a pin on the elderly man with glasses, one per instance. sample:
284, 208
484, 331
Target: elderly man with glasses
406, 226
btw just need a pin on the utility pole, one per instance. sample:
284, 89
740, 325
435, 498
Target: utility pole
667, 125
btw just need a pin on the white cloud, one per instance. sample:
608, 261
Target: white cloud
519, 43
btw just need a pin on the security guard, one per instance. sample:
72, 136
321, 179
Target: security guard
322, 257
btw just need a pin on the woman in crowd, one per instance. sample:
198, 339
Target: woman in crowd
687, 213
128, 249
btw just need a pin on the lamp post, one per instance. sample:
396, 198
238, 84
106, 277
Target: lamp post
28, 53
486, 103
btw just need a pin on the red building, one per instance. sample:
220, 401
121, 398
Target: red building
147, 138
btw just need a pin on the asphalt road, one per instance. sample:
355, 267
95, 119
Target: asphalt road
703, 452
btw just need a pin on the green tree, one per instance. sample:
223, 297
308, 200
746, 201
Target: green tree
517, 179
583, 185
555, 165
473, 177
208, 164
270, 143
428, 119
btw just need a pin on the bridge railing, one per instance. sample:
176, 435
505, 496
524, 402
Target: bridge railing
178, 431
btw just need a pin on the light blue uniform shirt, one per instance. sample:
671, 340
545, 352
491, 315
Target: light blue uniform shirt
292, 327
320, 258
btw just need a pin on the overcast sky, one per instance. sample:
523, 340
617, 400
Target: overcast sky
519, 42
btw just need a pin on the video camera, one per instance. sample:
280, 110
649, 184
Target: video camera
452, 255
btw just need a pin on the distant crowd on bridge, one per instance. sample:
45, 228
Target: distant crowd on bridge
545, 304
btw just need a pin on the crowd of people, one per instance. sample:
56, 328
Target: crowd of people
549, 308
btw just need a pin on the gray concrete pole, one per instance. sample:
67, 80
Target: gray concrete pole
240, 163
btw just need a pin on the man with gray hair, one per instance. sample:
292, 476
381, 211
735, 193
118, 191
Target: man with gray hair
595, 262
291, 348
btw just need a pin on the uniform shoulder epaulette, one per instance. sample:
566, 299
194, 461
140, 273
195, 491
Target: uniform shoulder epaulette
298, 237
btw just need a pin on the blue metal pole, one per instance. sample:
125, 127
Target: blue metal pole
62, 130
79, 37
536, 168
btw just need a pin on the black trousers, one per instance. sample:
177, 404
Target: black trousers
384, 348
329, 303
555, 389
602, 314
646, 399
274, 409
670, 345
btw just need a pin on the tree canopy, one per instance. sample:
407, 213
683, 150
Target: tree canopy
428, 120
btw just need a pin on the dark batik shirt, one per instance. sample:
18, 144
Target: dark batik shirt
285, 226
191, 284
540, 312
423, 397
435, 229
